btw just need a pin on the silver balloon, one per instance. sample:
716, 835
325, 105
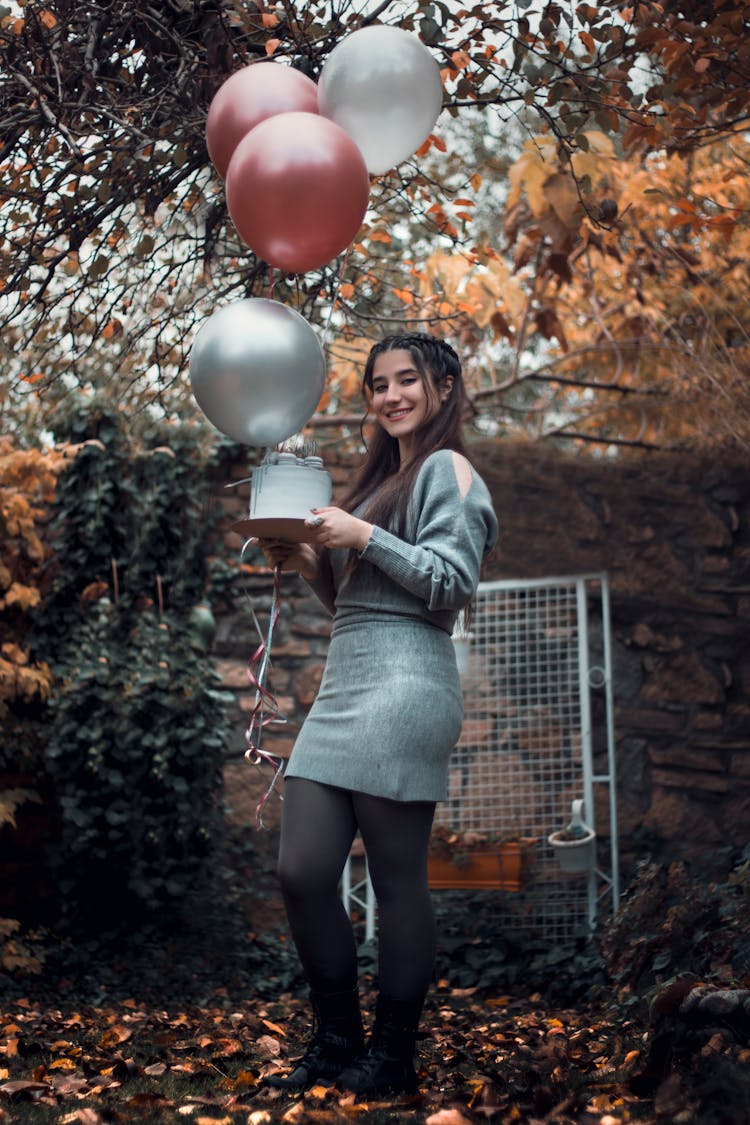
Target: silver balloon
383, 87
257, 371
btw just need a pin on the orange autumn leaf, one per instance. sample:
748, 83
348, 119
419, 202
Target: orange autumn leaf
113, 1036
48, 19
111, 329
380, 236
405, 295
271, 45
269, 19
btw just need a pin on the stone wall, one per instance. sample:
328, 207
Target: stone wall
673, 535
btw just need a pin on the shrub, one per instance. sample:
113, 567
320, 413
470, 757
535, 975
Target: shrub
136, 721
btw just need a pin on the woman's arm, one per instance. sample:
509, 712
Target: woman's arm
453, 528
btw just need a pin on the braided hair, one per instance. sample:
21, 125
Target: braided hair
382, 479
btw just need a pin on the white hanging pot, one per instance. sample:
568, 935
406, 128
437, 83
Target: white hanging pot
574, 846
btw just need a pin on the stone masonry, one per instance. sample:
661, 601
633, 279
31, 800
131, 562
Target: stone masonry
673, 535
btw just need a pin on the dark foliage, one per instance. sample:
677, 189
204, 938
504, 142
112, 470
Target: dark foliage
135, 726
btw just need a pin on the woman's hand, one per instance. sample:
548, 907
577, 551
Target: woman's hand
333, 527
299, 557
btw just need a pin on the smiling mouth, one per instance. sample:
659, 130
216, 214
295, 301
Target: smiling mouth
394, 417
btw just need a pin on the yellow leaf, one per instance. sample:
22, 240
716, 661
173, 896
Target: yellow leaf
10, 800
14, 653
528, 174
561, 193
321, 1092
597, 162
444, 272
113, 1036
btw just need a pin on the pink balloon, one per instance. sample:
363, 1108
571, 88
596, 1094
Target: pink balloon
297, 191
248, 97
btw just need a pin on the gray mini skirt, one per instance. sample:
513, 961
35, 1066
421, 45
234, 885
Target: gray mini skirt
388, 712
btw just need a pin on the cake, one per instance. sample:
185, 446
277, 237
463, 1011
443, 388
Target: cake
283, 491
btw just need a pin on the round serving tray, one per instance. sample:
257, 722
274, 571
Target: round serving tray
289, 530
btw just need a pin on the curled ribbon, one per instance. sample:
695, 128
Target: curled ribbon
265, 709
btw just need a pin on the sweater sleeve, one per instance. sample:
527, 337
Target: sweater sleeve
323, 586
452, 534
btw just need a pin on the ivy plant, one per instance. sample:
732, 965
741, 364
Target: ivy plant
136, 720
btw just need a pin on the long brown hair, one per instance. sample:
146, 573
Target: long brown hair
382, 479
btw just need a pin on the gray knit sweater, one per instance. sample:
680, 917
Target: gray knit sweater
433, 571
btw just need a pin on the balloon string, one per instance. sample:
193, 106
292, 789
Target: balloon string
334, 298
265, 708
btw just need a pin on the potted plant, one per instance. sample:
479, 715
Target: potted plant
574, 845
478, 861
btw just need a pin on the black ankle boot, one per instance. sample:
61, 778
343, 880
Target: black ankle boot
387, 1066
337, 1040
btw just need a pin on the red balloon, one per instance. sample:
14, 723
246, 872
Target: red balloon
248, 97
297, 190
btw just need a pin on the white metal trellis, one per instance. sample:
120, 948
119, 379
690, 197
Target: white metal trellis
538, 733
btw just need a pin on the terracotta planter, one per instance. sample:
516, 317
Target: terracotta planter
501, 867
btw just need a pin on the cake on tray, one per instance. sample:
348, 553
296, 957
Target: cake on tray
283, 491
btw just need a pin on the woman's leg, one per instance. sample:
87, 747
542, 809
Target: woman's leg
396, 835
318, 826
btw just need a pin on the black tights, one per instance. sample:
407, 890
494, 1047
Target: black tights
319, 824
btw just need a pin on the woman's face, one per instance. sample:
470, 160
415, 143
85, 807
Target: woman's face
399, 399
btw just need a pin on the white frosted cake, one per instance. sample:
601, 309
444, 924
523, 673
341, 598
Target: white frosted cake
289, 487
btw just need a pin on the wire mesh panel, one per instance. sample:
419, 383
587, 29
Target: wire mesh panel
526, 749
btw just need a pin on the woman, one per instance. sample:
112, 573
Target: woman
394, 564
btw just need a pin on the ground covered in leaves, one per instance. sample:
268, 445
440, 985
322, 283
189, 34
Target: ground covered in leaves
650, 1023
